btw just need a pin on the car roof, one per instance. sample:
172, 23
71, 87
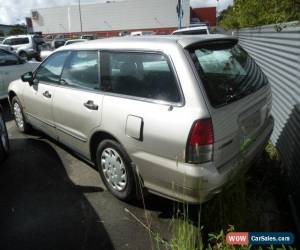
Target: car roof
154, 42
18, 36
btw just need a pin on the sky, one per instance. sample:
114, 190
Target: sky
15, 11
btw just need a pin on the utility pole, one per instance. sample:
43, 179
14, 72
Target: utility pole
79, 7
180, 12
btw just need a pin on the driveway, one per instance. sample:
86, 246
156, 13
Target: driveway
52, 200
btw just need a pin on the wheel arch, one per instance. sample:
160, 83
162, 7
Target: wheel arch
96, 138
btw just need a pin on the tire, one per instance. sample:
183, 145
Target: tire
4, 141
115, 168
23, 55
19, 117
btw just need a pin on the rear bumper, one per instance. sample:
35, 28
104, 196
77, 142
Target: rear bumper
198, 183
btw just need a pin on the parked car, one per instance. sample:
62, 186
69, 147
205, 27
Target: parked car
142, 33
200, 30
11, 68
74, 41
88, 37
182, 116
26, 46
4, 141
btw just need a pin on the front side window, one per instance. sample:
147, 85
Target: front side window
227, 71
50, 70
81, 70
7, 42
18, 41
146, 75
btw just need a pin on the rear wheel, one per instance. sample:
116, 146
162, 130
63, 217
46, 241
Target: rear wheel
17, 110
115, 168
4, 141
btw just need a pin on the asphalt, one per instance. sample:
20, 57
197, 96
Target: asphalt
50, 199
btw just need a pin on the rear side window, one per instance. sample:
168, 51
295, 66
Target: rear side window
228, 73
81, 70
18, 41
146, 75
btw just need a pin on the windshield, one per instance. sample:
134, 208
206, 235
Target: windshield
228, 73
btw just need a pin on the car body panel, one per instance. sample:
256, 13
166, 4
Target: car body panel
155, 133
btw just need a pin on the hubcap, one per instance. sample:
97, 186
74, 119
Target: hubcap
18, 115
113, 169
4, 136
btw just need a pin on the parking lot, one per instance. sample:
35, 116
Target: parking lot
52, 200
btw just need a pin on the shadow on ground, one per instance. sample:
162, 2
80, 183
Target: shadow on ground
40, 206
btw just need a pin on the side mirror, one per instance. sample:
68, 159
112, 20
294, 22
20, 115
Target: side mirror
27, 77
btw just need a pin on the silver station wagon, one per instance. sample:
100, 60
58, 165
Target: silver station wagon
181, 116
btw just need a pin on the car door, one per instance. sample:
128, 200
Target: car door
2, 63
38, 96
77, 101
142, 102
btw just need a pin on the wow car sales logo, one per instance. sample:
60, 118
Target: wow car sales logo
260, 238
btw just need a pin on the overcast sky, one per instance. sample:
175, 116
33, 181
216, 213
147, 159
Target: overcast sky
15, 11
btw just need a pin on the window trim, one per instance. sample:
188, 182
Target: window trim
181, 103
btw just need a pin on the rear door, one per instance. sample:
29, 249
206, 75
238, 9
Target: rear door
77, 103
143, 109
238, 96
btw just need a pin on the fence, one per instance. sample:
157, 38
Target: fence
277, 50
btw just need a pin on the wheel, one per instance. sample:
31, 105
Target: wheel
115, 169
17, 110
4, 141
23, 55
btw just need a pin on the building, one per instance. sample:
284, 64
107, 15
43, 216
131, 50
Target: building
108, 19
205, 14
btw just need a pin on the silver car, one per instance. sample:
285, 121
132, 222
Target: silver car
180, 116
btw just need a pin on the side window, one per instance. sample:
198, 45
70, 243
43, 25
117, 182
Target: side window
50, 70
7, 42
146, 75
81, 70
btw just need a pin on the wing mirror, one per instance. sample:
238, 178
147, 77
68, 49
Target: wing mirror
27, 77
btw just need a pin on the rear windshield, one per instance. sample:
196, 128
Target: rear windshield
192, 32
227, 72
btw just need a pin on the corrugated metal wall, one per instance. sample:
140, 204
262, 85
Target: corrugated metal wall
277, 51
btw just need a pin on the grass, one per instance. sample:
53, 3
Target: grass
206, 226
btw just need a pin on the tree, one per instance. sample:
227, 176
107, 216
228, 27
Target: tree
249, 13
17, 30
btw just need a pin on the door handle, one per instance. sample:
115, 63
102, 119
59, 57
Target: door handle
47, 94
90, 105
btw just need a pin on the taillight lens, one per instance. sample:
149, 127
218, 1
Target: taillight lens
200, 142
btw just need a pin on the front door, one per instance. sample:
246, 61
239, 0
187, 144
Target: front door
77, 102
39, 96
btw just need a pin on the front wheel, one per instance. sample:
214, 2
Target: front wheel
17, 110
4, 141
115, 168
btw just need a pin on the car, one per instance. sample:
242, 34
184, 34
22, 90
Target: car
74, 41
4, 141
58, 42
26, 46
11, 68
142, 33
179, 116
88, 37
200, 30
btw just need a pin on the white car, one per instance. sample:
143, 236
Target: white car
200, 30
26, 46
6, 47
142, 33
75, 41
11, 68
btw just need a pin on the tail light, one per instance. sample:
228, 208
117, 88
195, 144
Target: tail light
200, 142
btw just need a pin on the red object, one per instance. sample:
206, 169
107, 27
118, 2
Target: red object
207, 14
237, 238
202, 133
